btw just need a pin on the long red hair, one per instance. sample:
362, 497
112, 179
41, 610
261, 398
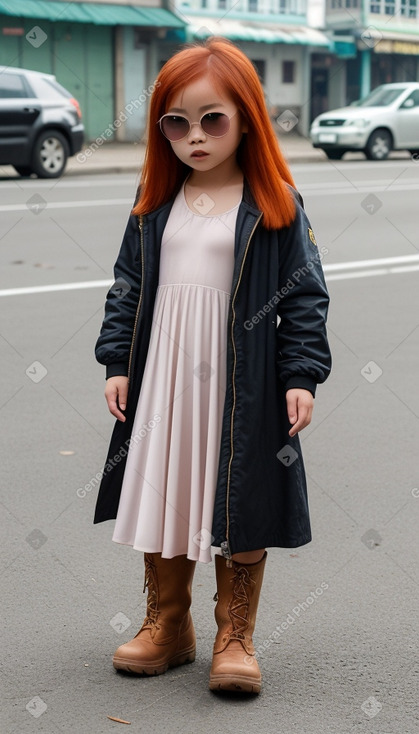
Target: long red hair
258, 155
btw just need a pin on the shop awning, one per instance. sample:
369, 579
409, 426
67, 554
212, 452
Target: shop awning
96, 13
247, 30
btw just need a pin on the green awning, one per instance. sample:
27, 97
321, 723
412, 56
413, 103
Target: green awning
97, 13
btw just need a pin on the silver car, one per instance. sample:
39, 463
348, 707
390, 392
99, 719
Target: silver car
387, 119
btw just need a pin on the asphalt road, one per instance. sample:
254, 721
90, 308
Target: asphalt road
344, 660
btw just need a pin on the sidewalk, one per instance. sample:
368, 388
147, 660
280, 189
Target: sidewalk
129, 157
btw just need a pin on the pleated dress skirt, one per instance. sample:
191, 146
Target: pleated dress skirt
168, 490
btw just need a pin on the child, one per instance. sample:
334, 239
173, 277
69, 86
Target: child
208, 389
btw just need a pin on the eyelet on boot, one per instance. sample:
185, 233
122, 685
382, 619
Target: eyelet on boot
234, 665
167, 636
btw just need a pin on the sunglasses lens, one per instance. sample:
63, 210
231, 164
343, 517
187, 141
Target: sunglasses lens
174, 127
215, 124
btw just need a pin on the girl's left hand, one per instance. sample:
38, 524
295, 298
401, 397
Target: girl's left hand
300, 408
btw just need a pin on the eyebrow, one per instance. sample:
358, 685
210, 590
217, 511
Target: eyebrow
201, 109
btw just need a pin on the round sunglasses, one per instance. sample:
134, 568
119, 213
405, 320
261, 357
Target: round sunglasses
177, 127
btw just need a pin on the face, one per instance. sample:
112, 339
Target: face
192, 102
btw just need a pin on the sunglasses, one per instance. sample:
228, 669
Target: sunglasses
176, 127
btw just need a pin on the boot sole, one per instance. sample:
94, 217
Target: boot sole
237, 683
139, 668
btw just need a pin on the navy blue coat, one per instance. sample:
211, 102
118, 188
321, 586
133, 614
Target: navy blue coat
261, 494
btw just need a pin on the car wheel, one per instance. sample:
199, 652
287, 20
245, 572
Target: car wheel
379, 145
334, 154
50, 154
414, 153
23, 170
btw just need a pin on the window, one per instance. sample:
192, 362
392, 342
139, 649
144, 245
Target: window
381, 97
12, 86
415, 97
260, 65
48, 89
390, 7
288, 72
253, 6
409, 8
375, 6
222, 5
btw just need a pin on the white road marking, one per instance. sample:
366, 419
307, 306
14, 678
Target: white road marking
57, 287
351, 269
68, 204
372, 272
371, 263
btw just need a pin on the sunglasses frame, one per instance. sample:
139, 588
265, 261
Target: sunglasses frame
174, 114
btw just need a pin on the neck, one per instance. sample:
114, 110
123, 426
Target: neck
227, 173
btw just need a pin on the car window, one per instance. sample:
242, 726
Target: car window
381, 97
12, 86
415, 96
48, 89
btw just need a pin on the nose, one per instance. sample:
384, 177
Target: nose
196, 132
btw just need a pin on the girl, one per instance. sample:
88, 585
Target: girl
214, 340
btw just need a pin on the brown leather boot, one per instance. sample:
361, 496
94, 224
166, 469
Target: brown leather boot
167, 636
234, 665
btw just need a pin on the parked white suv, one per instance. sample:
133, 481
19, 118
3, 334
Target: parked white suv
387, 119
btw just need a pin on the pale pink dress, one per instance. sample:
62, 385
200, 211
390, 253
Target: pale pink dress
169, 484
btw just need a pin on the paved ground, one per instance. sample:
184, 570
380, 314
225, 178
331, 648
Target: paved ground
344, 607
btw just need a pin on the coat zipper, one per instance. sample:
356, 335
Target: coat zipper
225, 545
140, 226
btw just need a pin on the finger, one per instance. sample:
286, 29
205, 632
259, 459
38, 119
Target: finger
304, 418
113, 406
292, 408
122, 396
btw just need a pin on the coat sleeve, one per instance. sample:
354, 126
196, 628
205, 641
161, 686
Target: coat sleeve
114, 343
304, 358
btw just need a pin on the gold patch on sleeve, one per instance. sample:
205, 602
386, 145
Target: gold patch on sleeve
312, 237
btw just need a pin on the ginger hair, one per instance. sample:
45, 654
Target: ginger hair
258, 155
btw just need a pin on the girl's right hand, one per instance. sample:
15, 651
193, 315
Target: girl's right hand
116, 393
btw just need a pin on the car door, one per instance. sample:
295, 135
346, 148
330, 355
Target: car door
408, 122
19, 110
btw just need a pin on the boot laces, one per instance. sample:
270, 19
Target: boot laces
239, 605
150, 581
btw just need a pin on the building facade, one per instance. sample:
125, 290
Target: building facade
275, 35
382, 42
85, 45
108, 53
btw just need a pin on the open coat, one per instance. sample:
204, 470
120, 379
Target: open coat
261, 494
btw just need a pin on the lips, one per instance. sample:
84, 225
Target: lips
199, 154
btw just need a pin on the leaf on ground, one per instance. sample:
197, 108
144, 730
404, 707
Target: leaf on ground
120, 721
